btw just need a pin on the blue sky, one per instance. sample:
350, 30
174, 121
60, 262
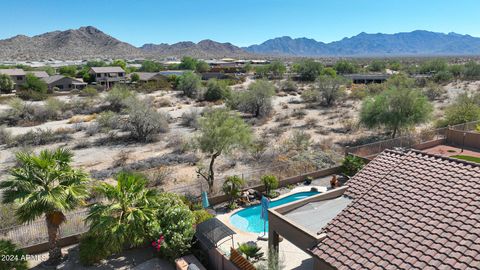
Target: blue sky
241, 22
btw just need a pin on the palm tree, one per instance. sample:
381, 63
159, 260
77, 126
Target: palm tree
232, 187
127, 215
45, 185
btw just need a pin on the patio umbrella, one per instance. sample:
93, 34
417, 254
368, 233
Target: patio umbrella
205, 202
264, 215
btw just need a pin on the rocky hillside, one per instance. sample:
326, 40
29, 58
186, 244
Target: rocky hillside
203, 49
83, 43
89, 42
401, 44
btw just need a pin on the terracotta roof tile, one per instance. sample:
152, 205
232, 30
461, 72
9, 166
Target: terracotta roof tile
410, 210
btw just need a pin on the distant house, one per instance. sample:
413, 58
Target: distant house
108, 76
367, 78
64, 83
172, 72
18, 76
156, 76
39, 74
214, 75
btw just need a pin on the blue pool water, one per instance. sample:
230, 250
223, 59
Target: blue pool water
249, 219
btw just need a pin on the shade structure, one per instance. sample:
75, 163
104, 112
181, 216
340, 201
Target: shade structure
212, 231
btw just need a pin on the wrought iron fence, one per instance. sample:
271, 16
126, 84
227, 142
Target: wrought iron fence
36, 232
422, 136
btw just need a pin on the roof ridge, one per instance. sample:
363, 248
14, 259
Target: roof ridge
456, 160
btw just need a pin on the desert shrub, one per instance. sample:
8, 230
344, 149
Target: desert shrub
85, 106
376, 88
472, 71
299, 113
310, 96
190, 118
53, 108
181, 145
154, 85
6, 84
308, 69
352, 164
163, 102
82, 144
158, 176
34, 88
358, 92
8, 220
144, 122
7, 248
39, 137
463, 109
270, 182
201, 216
92, 250
5, 136
121, 158
108, 120
311, 122
19, 111
257, 100
190, 84
434, 91
329, 88
258, 148
289, 86
88, 92
299, 140
217, 90
443, 77
117, 97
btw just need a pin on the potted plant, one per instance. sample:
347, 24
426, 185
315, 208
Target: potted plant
308, 180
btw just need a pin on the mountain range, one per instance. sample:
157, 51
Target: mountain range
89, 42
414, 43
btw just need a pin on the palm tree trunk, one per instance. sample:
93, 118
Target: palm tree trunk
54, 251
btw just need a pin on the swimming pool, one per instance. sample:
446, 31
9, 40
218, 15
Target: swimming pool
249, 219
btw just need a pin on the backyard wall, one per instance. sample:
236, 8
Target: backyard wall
456, 138
282, 183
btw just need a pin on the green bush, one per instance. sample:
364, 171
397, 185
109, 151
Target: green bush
251, 250
108, 120
201, 216
6, 84
34, 88
18, 257
92, 250
144, 122
5, 136
88, 92
190, 84
39, 137
176, 223
217, 90
270, 182
352, 164
117, 97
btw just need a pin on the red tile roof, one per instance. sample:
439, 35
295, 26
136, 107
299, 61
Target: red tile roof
410, 211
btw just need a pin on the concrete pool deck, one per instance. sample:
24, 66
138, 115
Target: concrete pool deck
291, 257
